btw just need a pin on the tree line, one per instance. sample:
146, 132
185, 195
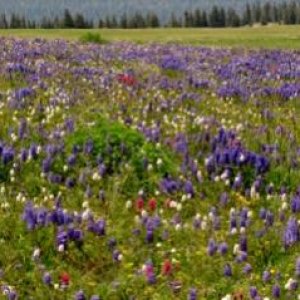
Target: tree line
217, 16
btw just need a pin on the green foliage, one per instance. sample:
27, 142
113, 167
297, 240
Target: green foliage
91, 37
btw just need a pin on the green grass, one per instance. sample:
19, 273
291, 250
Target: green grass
273, 36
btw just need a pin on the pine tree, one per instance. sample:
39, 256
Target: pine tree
247, 16
152, 20
123, 21
197, 18
174, 22
3, 22
114, 22
232, 18
204, 21
101, 23
68, 19
79, 21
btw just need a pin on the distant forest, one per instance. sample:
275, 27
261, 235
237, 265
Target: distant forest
216, 16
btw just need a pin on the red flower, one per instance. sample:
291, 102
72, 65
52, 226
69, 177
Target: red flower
152, 204
64, 278
126, 79
139, 204
167, 267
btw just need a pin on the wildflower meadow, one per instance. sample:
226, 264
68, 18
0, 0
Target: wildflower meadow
148, 171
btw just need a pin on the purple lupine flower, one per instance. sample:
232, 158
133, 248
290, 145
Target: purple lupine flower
224, 198
23, 155
192, 295
269, 219
253, 292
262, 213
243, 243
295, 204
99, 227
88, 147
71, 160
212, 247
95, 297
188, 188
79, 296
116, 255
247, 269
227, 270
7, 155
223, 248
276, 291
46, 165
12, 295
22, 128
149, 236
29, 216
47, 278
241, 257
62, 239
291, 233
70, 182
112, 242
298, 266
266, 277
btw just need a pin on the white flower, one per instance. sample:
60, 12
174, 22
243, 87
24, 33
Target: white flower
150, 167
36, 253
284, 206
159, 162
184, 198
85, 204
179, 207
233, 231
61, 248
120, 257
236, 249
86, 214
56, 286
227, 297
203, 225
242, 230
177, 226
128, 204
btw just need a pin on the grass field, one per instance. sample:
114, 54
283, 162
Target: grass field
275, 36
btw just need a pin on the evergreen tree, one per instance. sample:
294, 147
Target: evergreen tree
15, 21
101, 23
68, 19
114, 22
174, 22
123, 21
152, 20
79, 21
217, 17
204, 20
232, 18
197, 18
3, 22
247, 16
107, 22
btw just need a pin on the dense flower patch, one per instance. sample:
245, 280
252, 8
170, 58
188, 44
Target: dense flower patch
148, 172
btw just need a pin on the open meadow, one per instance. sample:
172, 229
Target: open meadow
271, 36
151, 166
